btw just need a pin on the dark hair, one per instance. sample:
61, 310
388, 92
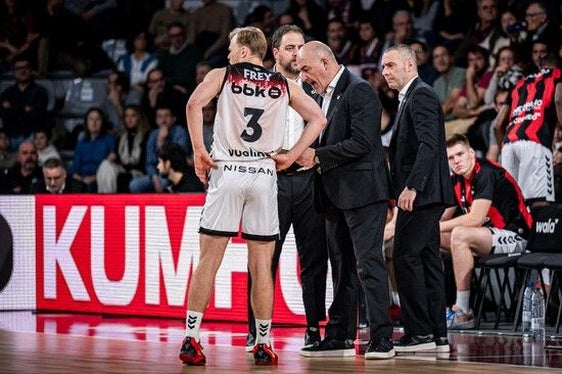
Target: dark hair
53, 163
104, 122
174, 153
281, 31
457, 139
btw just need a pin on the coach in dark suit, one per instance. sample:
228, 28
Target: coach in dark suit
422, 188
352, 189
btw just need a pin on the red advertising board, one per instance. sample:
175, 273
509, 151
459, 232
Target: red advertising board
135, 254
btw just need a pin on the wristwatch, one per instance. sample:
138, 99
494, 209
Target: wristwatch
316, 159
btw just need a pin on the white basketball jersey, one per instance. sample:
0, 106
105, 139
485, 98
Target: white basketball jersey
251, 114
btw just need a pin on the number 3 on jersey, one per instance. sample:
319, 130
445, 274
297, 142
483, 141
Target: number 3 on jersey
253, 125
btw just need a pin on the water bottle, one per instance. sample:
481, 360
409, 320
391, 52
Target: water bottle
526, 315
537, 314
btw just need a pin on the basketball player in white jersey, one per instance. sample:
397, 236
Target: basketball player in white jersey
241, 177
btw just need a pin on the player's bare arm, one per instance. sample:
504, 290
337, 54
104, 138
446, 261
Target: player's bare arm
203, 94
307, 108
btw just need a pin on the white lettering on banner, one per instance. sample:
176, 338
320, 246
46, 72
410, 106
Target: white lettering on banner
57, 252
115, 292
159, 255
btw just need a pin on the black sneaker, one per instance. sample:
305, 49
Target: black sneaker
330, 347
312, 337
250, 342
379, 348
414, 343
442, 345
191, 352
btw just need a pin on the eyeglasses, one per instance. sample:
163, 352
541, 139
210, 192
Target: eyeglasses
532, 15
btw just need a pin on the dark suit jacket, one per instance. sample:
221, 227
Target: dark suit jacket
353, 169
417, 152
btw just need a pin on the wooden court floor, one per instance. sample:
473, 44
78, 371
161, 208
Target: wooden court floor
74, 343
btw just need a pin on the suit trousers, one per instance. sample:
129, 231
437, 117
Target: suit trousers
419, 271
296, 206
355, 239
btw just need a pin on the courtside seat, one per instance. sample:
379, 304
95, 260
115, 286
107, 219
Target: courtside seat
501, 265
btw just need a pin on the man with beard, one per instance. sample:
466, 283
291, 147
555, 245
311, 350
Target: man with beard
18, 179
172, 164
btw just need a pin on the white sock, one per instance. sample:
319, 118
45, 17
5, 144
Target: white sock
263, 326
192, 324
463, 300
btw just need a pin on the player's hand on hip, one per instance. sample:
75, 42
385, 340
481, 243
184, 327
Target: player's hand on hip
202, 163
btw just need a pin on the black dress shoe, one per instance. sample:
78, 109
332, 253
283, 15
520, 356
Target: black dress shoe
330, 347
415, 343
312, 337
379, 347
250, 342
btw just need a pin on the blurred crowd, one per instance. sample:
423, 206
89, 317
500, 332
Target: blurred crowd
130, 66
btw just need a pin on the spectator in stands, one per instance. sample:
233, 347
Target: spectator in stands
168, 130
172, 164
349, 11
451, 23
56, 180
179, 61
507, 61
159, 91
263, 18
137, 64
100, 19
423, 17
402, 31
8, 158
19, 178
426, 70
18, 31
539, 50
506, 34
368, 51
539, 27
525, 126
493, 219
162, 18
209, 28
484, 32
310, 16
450, 81
201, 70
477, 78
339, 41
45, 148
61, 46
127, 161
117, 88
23, 105
90, 151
